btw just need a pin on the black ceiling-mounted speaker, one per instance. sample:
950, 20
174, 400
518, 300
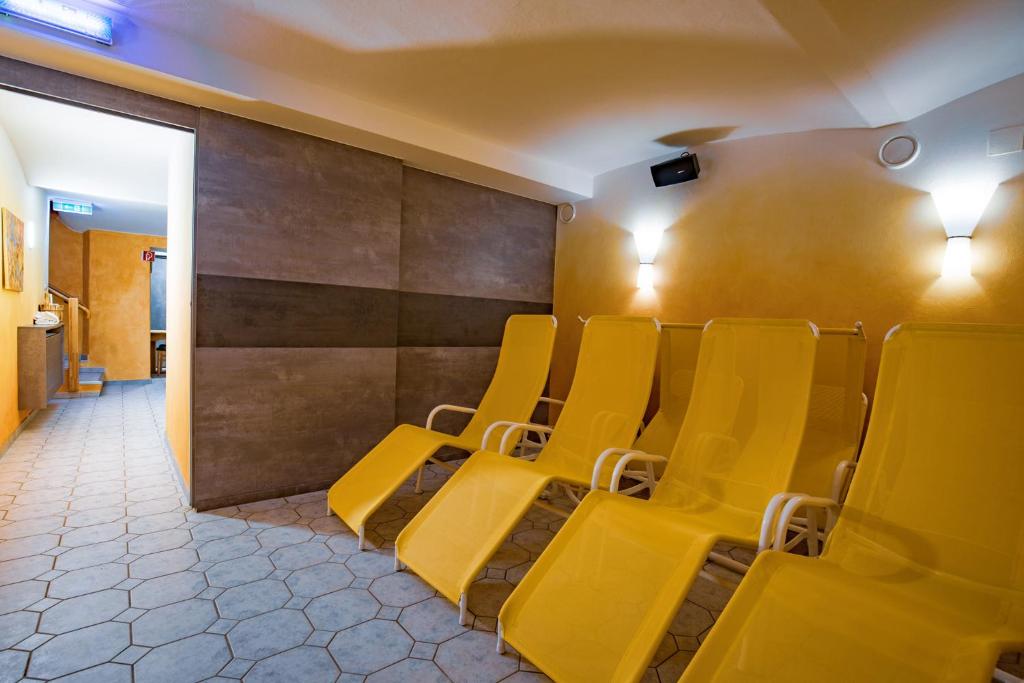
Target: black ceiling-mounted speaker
676, 170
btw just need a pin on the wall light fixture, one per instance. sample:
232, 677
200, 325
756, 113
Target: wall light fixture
647, 242
960, 207
60, 15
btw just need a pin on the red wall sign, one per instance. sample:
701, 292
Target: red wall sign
149, 256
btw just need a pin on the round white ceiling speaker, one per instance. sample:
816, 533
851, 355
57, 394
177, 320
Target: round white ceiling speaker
566, 212
899, 151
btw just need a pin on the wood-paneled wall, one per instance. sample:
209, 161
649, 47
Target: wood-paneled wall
337, 292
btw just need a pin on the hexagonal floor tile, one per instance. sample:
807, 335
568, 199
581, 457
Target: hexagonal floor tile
104, 673
472, 658
371, 565
90, 555
251, 599
228, 548
340, 610
240, 570
306, 664
400, 589
419, 670
12, 665
25, 568
218, 528
84, 610
78, 650
319, 579
370, 646
163, 563
300, 556
159, 541
173, 622
280, 536
88, 580
690, 620
167, 589
433, 621
270, 633
487, 596
16, 627
192, 659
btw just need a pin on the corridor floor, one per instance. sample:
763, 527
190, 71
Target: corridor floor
107, 575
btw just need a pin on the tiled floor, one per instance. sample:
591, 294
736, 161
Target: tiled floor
105, 575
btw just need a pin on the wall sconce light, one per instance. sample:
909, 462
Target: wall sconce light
956, 265
960, 208
647, 242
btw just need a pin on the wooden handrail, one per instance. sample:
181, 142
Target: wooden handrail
50, 289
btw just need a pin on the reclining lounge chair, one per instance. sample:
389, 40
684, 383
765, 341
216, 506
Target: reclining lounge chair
598, 601
457, 531
515, 389
922, 578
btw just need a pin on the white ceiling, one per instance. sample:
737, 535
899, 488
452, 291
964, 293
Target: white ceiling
119, 164
555, 92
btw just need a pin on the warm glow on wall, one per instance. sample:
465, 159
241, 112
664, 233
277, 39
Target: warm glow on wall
961, 205
957, 263
645, 276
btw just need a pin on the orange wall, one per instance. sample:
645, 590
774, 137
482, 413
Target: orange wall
66, 258
16, 308
805, 225
118, 298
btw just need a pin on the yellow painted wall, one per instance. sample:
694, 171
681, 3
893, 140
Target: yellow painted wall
66, 258
805, 225
118, 298
16, 308
179, 304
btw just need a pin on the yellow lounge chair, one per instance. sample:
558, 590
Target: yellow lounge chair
457, 531
922, 577
677, 364
835, 424
598, 601
519, 378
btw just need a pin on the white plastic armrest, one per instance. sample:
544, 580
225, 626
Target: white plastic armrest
620, 466
512, 427
771, 512
801, 500
447, 406
839, 478
595, 478
554, 401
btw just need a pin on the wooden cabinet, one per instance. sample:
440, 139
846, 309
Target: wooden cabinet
40, 364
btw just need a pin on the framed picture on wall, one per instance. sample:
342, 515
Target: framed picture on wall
12, 234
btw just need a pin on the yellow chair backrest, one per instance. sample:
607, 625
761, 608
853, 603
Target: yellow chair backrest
940, 479
521, 373
677, 366
746, 417
835, 417
609, 393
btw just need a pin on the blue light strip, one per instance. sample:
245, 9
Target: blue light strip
62, 16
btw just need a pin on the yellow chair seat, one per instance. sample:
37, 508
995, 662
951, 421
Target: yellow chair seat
804, 620
595, 605
376, 477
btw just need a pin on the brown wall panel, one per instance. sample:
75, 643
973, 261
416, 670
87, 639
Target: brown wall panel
280, 205
430, 376
469, 240
60, 85
248, 312
440, 320
273, 422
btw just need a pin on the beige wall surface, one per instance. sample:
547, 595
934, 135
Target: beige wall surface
118, 296
805, 225
16, 308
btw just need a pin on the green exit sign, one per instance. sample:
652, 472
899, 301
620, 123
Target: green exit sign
72, 206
